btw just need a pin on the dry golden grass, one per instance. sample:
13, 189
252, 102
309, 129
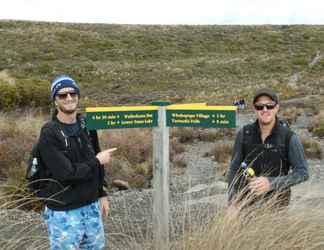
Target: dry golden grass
18, 132
222, 151
259, 228
312, 148
317, 124
290, 114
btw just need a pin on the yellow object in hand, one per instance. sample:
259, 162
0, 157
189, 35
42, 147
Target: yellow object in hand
250, 172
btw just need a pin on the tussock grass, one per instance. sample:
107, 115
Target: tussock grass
312, 148
222, 151
290, 114
259, 227
18, 133
317, 124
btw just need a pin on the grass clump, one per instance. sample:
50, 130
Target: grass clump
290, 114
317, 124
221, 153
18, 133
319, 129
185, 134
312, 148
259, 227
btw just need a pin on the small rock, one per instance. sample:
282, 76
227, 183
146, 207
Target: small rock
120, 184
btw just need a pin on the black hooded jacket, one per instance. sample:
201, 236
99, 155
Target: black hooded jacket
75, 175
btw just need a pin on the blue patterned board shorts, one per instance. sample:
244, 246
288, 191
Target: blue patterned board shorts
80, 228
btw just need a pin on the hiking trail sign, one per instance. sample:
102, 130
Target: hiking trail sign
161, 116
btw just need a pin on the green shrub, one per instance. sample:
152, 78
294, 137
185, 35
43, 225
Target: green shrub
33, 93
9, 96
144, 168
24, 93
319, 130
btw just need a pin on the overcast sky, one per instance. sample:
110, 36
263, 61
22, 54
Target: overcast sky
167, 11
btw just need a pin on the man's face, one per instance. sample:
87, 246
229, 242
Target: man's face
67, 100
266, 110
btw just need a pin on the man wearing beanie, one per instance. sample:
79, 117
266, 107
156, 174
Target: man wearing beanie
267, 159
75, 200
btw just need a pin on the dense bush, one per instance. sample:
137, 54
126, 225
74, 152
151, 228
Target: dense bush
33, 93
9, 96
24, 93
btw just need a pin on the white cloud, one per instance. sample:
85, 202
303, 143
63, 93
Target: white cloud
167, 11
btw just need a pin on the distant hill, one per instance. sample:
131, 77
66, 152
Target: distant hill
135, 64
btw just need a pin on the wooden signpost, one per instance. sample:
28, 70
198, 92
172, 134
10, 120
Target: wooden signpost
160, 116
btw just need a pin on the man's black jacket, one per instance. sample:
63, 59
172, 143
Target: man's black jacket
76, 177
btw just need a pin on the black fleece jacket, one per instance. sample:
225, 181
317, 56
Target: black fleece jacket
76, 177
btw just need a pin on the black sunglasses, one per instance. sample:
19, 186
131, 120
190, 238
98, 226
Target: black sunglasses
262, 106
65, 95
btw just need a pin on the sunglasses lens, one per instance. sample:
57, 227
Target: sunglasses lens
258, 107
65, 95
262, 106
270, 106
62, 96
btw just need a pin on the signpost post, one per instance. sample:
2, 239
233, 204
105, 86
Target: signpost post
161, 183
160, 117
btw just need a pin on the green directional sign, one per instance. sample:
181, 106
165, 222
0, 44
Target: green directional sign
122, 117
201, 116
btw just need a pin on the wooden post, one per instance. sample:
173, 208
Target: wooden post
161, 183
